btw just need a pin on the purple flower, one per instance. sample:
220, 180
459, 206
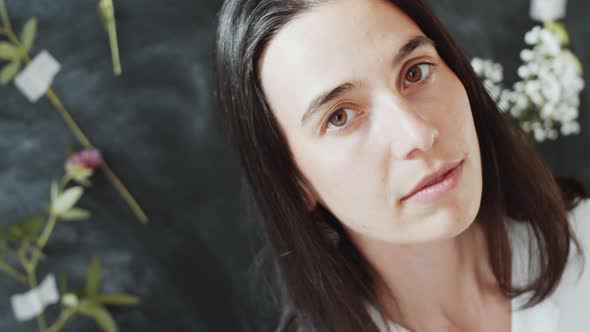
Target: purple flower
87, 158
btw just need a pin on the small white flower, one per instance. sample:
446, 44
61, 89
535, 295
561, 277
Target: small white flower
539, 134
551, 90
477, 65
66, 200
548, 110
570, 128
552, 134
523, 72
532, 37
526, 55
70, 300
547, 96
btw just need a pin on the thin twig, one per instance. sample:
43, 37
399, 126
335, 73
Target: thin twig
4, 266
104, 166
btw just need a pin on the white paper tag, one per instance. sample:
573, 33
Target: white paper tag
36, 78
548, 10
30, 304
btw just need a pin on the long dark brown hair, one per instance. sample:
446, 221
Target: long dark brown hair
329, 285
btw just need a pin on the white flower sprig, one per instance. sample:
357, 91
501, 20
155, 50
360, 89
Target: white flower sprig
546, 99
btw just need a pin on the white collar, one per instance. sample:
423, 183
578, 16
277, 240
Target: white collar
544, 316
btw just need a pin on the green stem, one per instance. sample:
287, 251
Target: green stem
22, 256
112, 31
124, 192
56, 102
13, 272
4, 15
135, 207
44, 237
41, 321
31, 266
32, 280
63, 318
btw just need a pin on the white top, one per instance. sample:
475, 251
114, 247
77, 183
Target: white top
565, 310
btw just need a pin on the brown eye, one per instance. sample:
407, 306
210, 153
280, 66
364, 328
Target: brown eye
417, 73
338, 118
414, 74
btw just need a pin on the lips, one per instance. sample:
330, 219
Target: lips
433, 178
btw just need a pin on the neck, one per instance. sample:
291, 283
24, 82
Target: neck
427, 286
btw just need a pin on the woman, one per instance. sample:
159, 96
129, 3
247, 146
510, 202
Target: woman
392, 189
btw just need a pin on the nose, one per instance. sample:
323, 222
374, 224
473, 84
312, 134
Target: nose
412, 132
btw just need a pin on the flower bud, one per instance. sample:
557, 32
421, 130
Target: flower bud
88, 158
81, 165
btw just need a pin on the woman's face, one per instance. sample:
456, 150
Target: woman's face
369, 109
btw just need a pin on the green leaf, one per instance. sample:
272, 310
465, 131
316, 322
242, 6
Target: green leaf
75, 214
100, 314
93, 277
8, 51
116, 299
66, 200
28, 34
9, 71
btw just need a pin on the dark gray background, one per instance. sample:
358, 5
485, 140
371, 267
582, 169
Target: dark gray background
193, 264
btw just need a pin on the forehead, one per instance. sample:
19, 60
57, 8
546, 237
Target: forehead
332, 43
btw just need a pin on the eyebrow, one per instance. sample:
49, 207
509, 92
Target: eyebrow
318, 102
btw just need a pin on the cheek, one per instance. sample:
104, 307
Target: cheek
454, 117
339, 176
345, 181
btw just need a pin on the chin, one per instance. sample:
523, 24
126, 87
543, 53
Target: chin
447, 224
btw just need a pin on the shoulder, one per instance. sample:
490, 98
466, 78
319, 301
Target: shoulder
525, 248
580, 220
573, 293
